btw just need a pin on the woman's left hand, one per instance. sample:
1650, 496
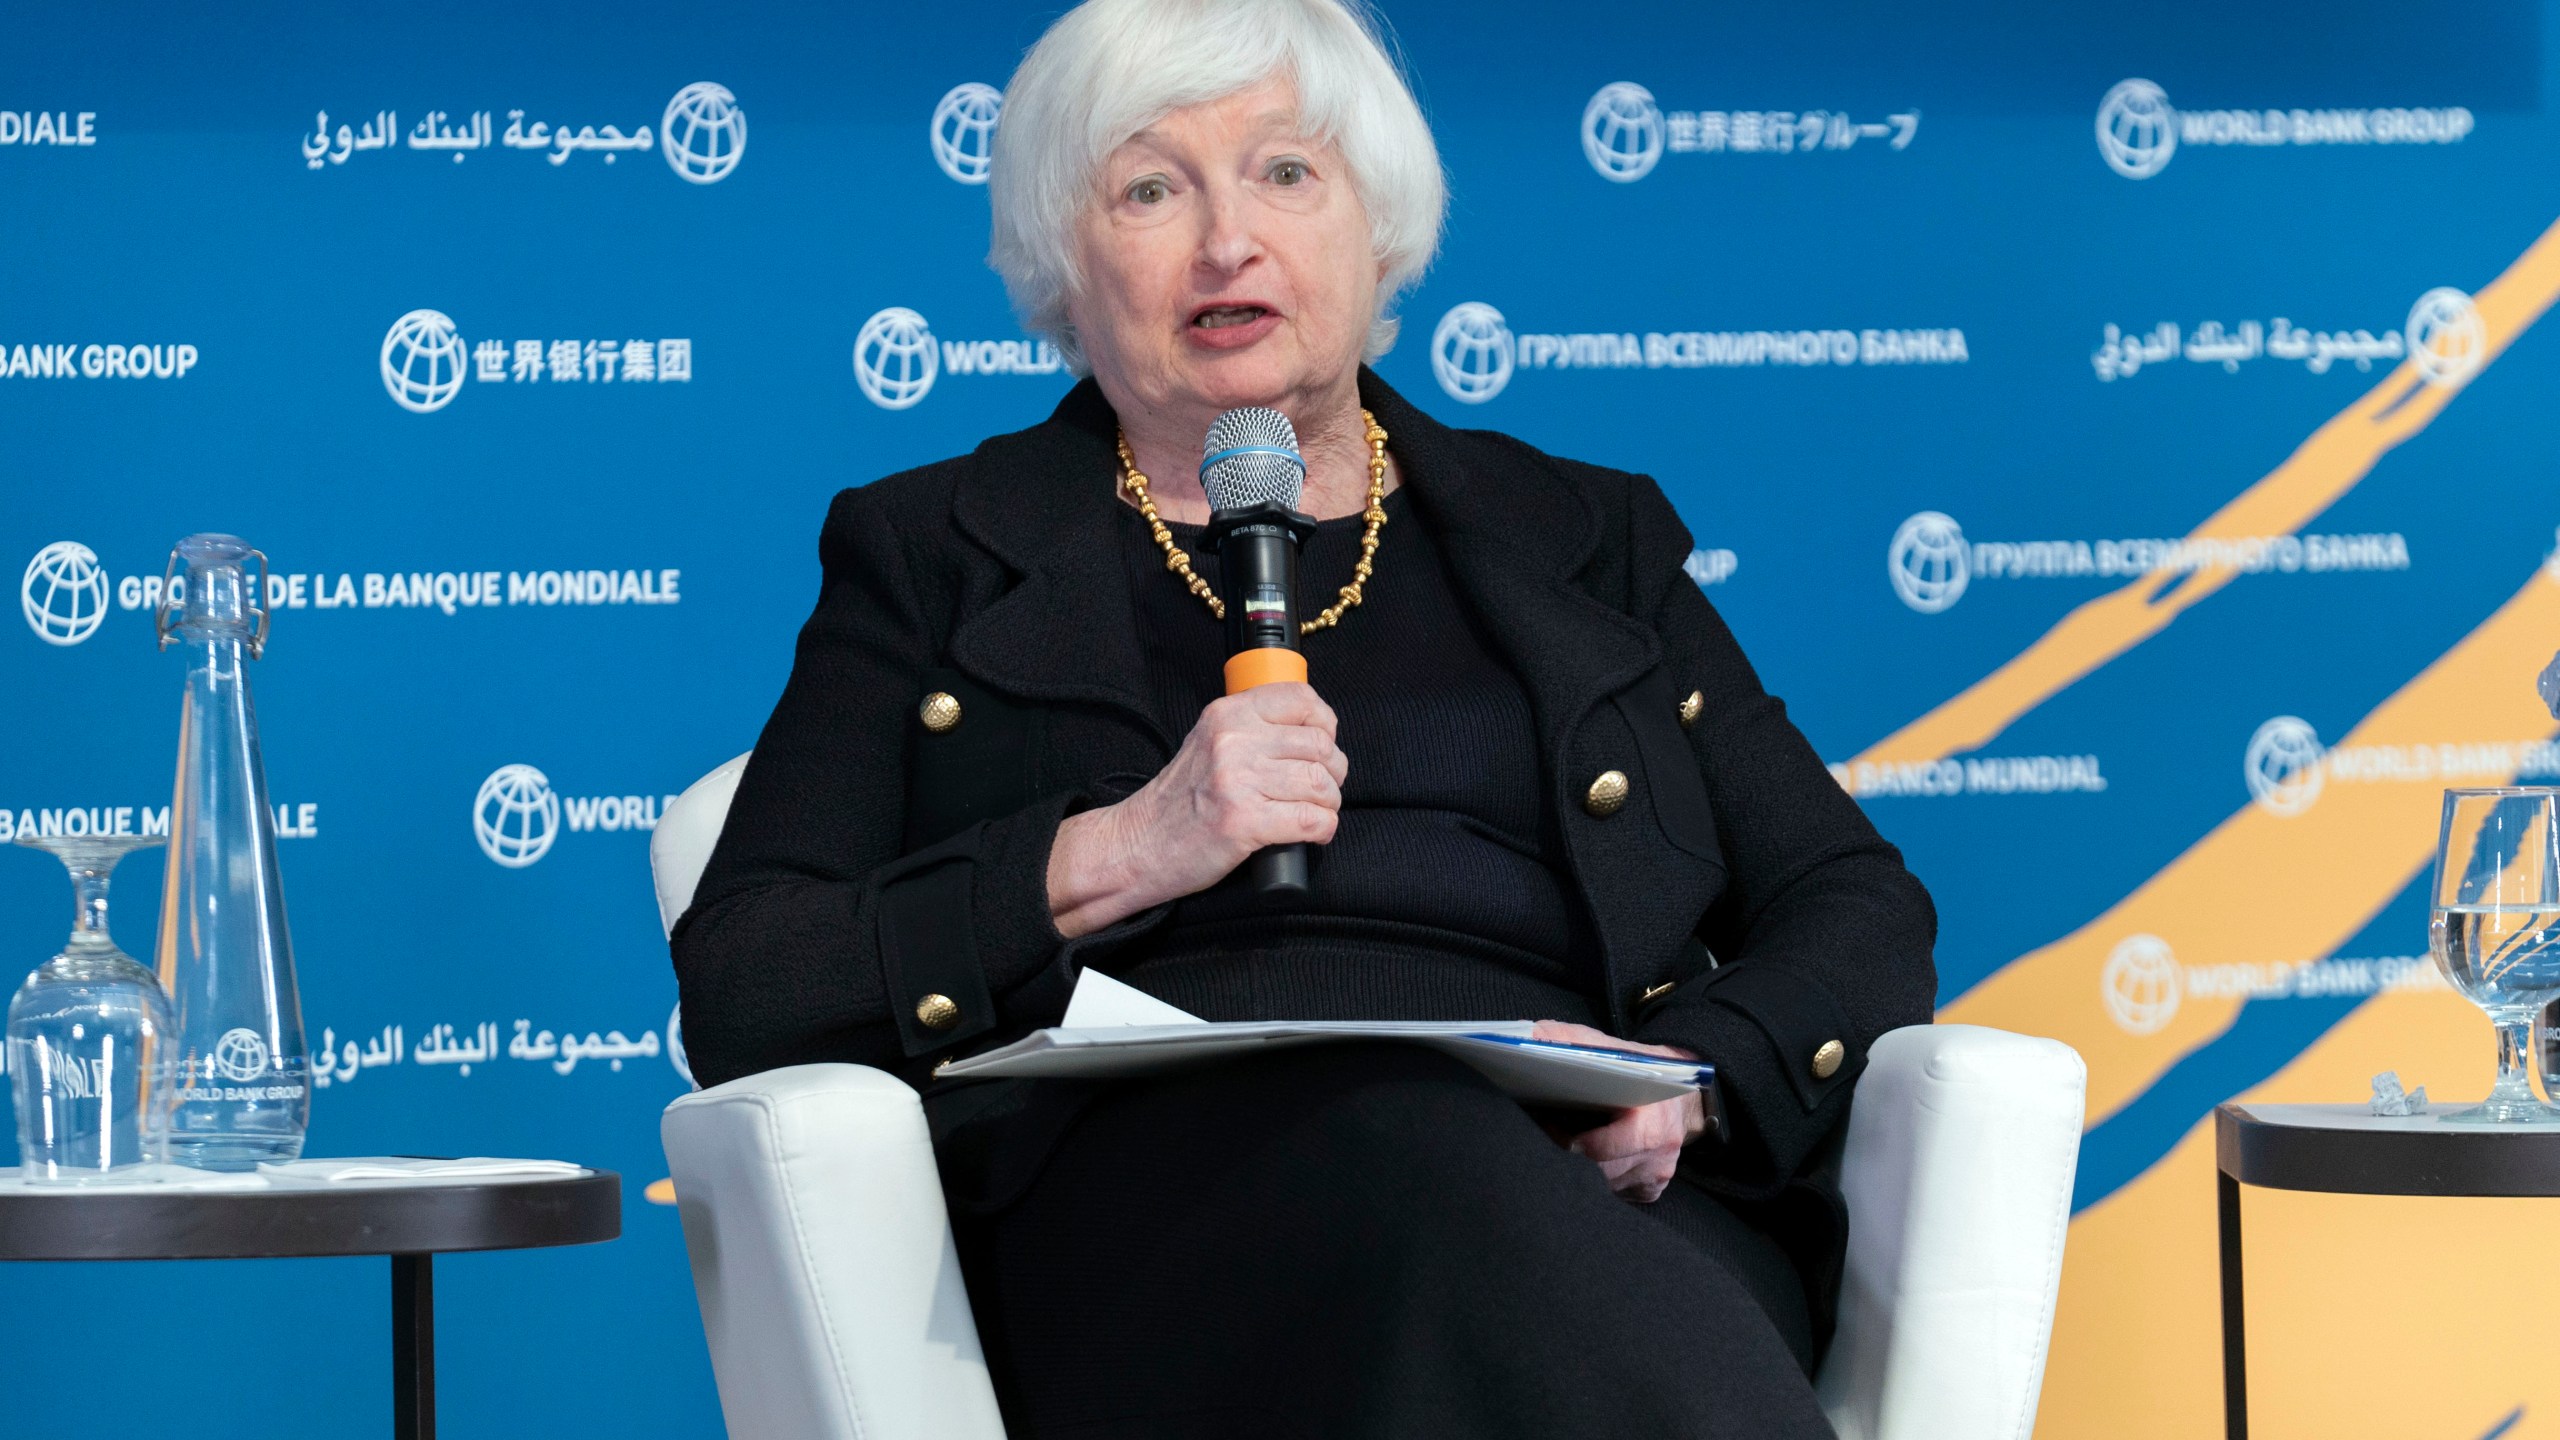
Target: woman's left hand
1637, 1150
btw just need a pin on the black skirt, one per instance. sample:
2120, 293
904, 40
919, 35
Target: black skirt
1369, 1241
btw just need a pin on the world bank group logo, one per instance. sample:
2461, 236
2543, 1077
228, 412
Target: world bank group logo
704, 133
675, 1047
2446, 340
1471, 352
897, 358
64, 594
240, 1056
1622, 132
1929, 562
2141, 985
894, 358
2283, 766
964, 131
516, 816
2137, 129
423, 361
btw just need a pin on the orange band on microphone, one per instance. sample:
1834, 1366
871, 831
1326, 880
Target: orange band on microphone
1248, 668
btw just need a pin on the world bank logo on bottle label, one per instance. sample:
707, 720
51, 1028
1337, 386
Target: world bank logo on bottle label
423, 361
2446, 340
704, 134
64, 593
1928, 562
2283, 766
240, 1056
1622, 132
1471, 352
515, 817
2141, 985
964, 131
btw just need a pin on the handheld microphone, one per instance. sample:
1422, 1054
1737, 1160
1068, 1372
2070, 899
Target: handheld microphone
1252, 473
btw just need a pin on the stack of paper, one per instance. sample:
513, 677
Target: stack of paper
1114, 1031
418, 1171
161, 1179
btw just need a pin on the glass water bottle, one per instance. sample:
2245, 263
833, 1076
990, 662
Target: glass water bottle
243, 1084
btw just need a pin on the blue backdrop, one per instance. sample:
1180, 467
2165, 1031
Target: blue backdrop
529, 343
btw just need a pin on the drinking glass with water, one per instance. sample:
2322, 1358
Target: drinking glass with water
2495, 927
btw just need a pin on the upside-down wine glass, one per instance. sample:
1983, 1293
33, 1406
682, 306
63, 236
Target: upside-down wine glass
89, 1037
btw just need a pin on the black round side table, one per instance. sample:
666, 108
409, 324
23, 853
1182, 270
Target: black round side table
2346, 1150
410, 1221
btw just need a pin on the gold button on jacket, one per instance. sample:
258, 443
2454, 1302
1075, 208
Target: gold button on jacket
1826, 1061
1691, 708
1607, 795
940, 712
937, 1012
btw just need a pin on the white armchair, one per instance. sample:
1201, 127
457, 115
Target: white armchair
832, 1298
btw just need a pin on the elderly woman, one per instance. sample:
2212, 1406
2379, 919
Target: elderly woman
1541, 778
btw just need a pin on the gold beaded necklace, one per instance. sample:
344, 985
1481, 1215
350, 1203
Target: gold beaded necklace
1180, 564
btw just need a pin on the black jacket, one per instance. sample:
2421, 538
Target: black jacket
1744, 907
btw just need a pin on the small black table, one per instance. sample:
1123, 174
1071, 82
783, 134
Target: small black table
409, 1221
2345, 1150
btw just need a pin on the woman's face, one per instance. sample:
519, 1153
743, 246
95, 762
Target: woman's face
1226, 261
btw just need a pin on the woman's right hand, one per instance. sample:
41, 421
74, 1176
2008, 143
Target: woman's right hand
1260, 768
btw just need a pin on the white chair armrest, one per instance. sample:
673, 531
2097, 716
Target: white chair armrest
822, 1258
1961, 1149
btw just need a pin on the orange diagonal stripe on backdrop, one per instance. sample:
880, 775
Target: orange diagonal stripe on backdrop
2327, 465
2267, 888
2135, 1339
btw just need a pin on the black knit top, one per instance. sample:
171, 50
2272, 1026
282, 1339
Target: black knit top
1443, 894
821, 925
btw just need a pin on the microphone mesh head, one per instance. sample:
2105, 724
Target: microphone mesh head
1233, 482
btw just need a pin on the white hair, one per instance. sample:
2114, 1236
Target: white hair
1110, 68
